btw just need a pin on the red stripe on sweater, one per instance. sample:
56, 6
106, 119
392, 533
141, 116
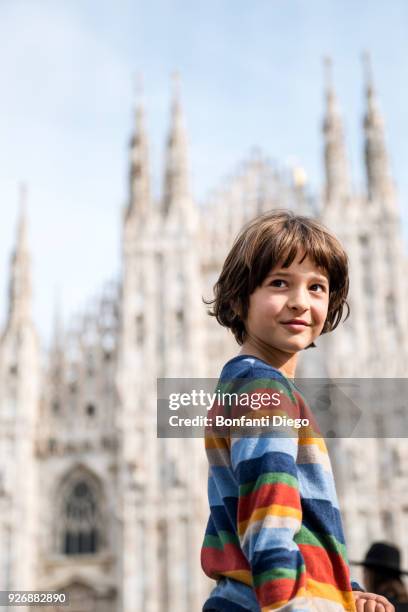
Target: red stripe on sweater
215, 561
280, 589
326, 566
266, 495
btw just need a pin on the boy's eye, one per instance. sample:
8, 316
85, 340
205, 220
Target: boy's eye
319, 285
280, 280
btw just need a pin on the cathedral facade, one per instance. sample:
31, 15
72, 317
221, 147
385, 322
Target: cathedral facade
91, 501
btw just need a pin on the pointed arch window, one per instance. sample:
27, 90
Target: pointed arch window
179, 326
365, 249
388, 523
80, 520
179, 304
14, 369
139, 328
390, 312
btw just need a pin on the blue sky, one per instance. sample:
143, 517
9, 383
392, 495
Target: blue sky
251, 77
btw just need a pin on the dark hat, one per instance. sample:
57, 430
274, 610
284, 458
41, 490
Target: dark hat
381, 555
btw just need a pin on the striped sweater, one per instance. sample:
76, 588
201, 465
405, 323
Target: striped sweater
274, 539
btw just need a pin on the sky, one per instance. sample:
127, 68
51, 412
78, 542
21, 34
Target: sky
251, 76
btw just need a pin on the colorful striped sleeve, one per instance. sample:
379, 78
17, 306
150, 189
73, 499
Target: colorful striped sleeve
269, 507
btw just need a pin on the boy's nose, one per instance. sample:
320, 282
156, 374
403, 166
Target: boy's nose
298, 299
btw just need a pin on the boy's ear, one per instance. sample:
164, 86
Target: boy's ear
236, 309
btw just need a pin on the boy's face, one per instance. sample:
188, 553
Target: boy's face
301, 292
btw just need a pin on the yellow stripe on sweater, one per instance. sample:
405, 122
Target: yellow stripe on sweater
244, 576
330, 592
319, 442
275, 510
301, 599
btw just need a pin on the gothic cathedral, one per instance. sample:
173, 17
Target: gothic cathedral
91, 501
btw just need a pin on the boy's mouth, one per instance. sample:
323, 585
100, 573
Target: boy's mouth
297, 322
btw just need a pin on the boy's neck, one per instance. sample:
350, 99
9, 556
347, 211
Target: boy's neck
284, 362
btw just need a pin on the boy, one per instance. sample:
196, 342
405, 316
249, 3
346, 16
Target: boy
274, 539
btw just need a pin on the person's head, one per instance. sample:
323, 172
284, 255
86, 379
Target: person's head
385, 582
282, 266
382, 571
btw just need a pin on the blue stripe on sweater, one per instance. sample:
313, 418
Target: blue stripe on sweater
248, 470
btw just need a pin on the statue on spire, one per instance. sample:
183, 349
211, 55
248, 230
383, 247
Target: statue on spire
176, 183
337, 178
20, 279
139, 160
379, 182
22, 237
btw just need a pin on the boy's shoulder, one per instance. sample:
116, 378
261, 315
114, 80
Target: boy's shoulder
247, 373
249, 366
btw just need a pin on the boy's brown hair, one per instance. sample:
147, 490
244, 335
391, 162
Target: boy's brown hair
264, 242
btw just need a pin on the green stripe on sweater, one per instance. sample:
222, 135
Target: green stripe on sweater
277, 574
220, 540
268, 478
324, 540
